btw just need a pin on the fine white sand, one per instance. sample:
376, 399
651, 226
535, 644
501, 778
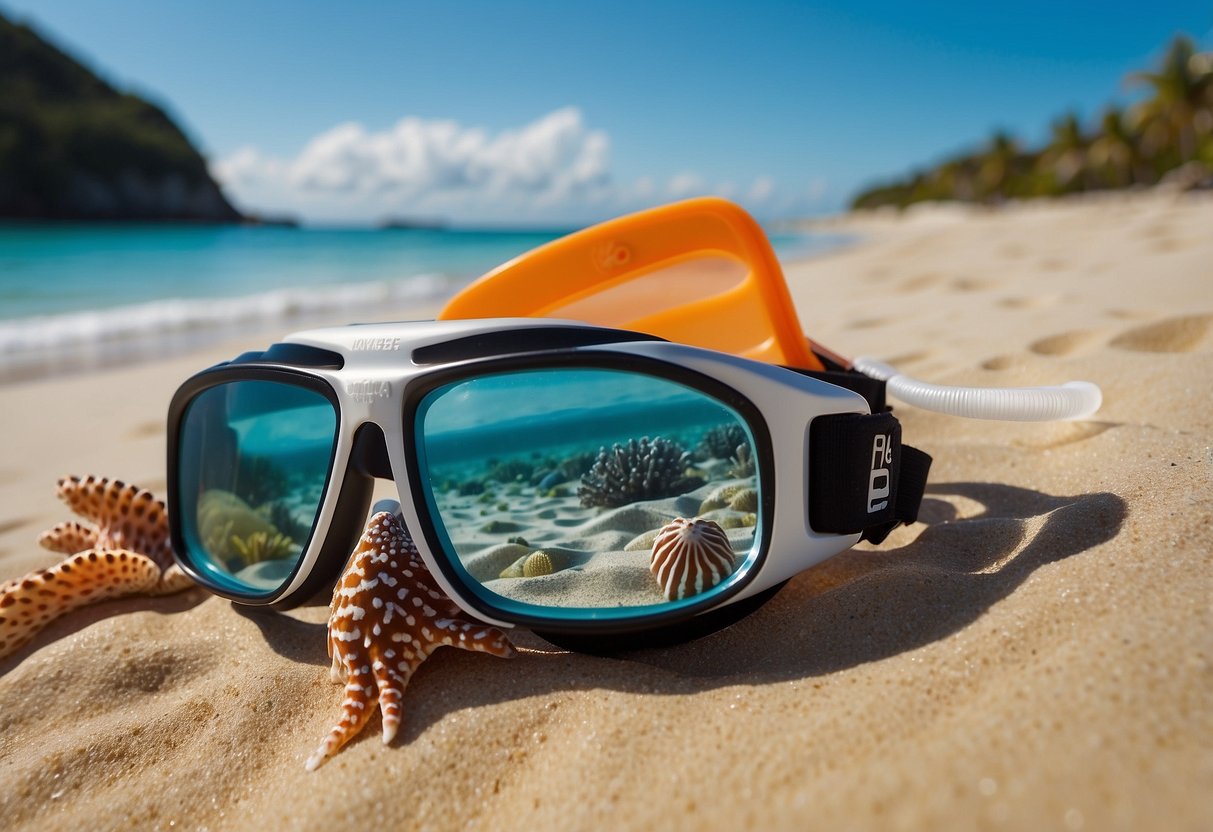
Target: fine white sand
1034, 654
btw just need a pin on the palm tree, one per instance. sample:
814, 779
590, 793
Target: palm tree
1171, 127
1114, 152
1066, 155
997, 166
1182, 89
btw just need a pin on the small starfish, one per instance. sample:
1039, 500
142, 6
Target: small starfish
386, 618
127, 552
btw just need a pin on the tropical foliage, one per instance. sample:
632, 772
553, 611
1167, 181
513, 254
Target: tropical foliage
1171, 128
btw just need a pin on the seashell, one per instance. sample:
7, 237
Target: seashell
745, 500
690, 556
536, 564
514, 570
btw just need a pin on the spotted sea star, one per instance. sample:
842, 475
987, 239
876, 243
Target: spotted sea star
126, 552
386, 618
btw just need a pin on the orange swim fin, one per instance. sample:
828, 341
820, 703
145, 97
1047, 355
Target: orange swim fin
699, 272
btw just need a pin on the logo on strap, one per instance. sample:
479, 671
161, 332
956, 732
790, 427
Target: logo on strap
878, 480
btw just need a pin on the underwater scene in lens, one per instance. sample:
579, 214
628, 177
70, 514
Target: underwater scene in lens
589, 488
253, 466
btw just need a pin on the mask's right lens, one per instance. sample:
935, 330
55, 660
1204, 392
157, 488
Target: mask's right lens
253, 462
568, 493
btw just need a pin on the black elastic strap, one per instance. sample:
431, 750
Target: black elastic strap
861, 478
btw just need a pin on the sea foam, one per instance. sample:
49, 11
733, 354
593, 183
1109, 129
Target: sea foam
53, 344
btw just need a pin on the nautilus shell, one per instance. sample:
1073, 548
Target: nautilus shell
690, 556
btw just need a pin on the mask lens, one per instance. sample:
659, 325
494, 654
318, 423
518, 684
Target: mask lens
252, 468
550, 487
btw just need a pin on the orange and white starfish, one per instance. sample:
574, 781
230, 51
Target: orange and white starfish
386, 618
123, 551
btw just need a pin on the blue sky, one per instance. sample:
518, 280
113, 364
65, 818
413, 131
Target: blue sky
485, 111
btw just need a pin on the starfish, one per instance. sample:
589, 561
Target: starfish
126, 552
387, 616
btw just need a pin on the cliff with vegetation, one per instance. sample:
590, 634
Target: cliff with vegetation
1166, 135
73, 147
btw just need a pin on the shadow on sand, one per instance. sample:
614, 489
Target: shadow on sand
859, 607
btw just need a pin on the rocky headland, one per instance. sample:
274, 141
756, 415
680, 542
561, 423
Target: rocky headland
74, 148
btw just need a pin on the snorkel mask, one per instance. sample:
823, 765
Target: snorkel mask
658, 474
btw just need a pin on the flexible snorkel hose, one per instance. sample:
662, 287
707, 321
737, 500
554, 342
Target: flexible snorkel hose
1072, 400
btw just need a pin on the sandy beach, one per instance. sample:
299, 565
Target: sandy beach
1035, 653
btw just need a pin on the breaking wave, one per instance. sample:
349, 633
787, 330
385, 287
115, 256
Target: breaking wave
52, 344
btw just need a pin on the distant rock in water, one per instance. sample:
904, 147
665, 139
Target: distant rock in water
73, 147
272, 220
412, 224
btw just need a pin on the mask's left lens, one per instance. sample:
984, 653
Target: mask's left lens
253, 462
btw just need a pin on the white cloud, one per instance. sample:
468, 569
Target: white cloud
683, 185
761, 190
418, 163
247, 167
555, 168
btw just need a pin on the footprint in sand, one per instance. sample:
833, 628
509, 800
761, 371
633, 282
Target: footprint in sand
918, 282
999, 362
1168, 244
1126, 314
867, 323
1018, 303
146, 429
1028, 301
1182, 334
1062, 344
902, 359
971, 284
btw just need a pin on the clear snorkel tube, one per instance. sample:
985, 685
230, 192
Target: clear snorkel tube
1072, 400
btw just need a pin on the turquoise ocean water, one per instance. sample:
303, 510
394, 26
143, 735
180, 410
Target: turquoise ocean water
79, 296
